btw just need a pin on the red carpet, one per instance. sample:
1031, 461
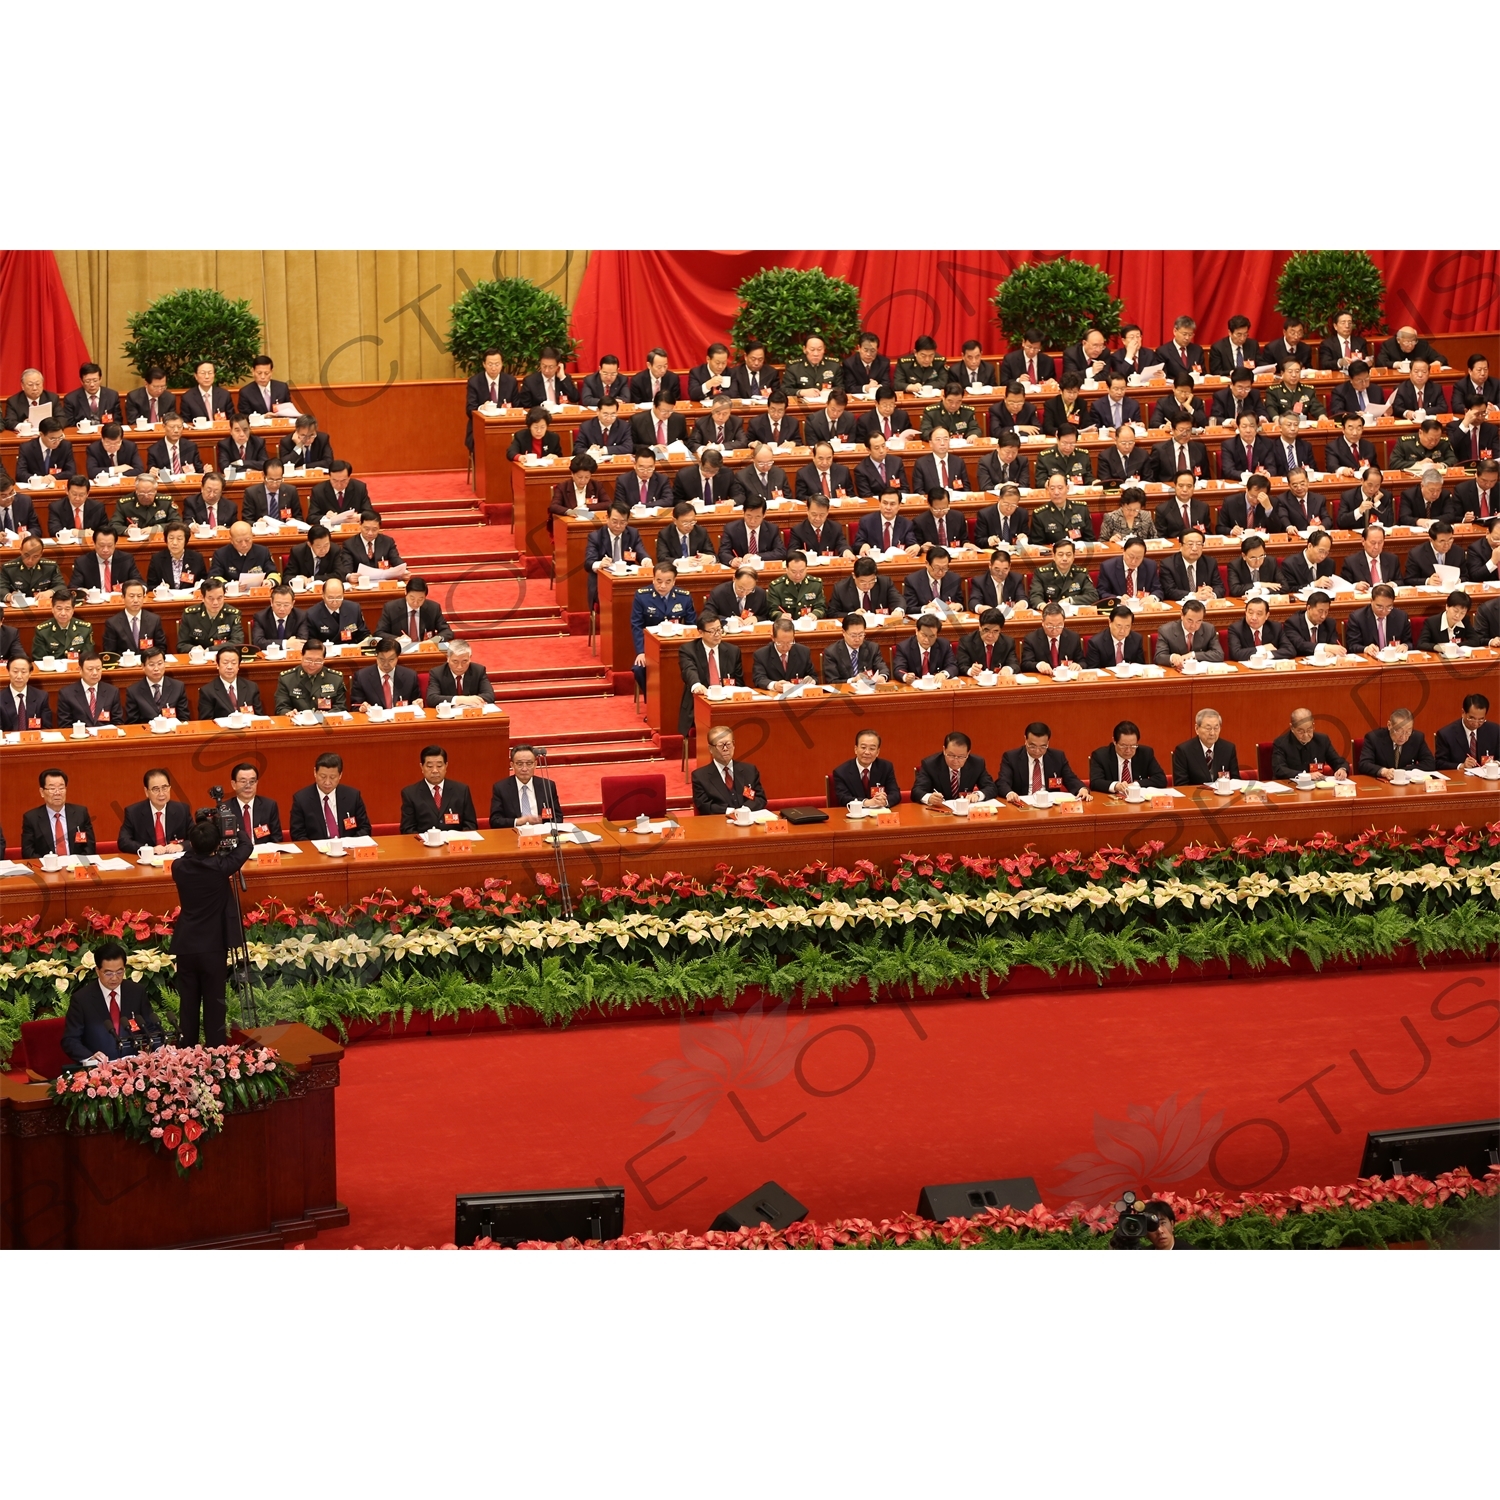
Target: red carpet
1089, 1091
430, 484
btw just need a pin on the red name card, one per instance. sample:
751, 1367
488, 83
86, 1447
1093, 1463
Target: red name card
1069, 807
1433, 785
887, 819
273, 858
977, 813
780, 825
367, 851
529, 841
1161, 804
677, 831
82, 872
466, 846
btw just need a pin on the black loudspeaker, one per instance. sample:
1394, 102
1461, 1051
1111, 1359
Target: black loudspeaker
962, 1200
769, 1204
555, 1214
1427, 1150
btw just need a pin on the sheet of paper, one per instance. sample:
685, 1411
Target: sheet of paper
10, 867
99, 862
358, 841
276, 849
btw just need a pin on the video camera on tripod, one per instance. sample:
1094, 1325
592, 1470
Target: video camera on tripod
224, 815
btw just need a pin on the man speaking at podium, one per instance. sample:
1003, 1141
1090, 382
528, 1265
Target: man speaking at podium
108, 1014
208, 925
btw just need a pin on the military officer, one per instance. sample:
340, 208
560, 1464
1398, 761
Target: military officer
920, 367
655, 605
30, 574
1067, 459
1426, 447
310, 684
64, 632
211, 624
797, 592
146, 508
962, 421
1059, 517
814, 371
1062, 579
1284, 394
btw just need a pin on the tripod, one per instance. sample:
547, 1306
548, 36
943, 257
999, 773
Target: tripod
241, 964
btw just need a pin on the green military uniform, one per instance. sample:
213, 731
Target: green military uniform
1050, 586
788, 598
132, 511
1055, 523
1411, 450
198, 628
52, 639
909, 373
1280, 398
295, 691
961, 423
1076, 467
15, 578
801, 376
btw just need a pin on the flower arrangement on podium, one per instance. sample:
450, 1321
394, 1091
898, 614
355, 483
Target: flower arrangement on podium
175, 1098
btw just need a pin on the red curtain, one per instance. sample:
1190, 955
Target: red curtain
37, 326
683, 300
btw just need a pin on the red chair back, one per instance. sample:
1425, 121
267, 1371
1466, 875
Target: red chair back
1263, 759
41, 1041
422, 685
829, 789
1356, 754
627, 797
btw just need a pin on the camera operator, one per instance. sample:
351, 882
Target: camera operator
208, 925
109, 1015
1144, 1226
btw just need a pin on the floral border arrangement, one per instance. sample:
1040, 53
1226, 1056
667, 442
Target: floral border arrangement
932, 921
1371, 1212
174, 1098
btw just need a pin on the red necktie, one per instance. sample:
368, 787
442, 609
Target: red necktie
249, 825
93, 703
1125, 771
385, 683
713, 667
783, 664
176, 459
161, 832
104, 571
1374, 570
1054, 653
1130, 582
155, 417
942, 531
437, 798
1119, 652
864, 603
234, 699
114, 1010
1255, 636
329, 820
864, 777
887, 536
78, 518
94, 403
826, 490
59, 834
1380, 631
414, 625
728, 777
1036, 776
924, 663
953, 780
886, 424
1473, 745
661, 433
494, 393
1031, 371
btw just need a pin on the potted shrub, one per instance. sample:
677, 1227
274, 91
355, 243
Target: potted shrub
512, 315
183, 328
1061, 298
783, 308
1315, 286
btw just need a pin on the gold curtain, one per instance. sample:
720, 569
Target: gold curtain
330, 316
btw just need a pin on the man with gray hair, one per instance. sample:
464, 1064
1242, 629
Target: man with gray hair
1304, 748
1205, 757
1400, 746
460, 680
1181, 355
22, 407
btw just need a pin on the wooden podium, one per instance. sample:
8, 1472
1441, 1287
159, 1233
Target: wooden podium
269, 1178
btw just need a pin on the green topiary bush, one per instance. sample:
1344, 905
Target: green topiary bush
183, 328
1317, 285
783, 308
1062, 298
512, 315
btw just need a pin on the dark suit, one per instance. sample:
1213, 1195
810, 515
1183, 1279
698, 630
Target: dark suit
829, 538
118, 637
251, 398
1174, 578
785, 431
724, 603
819, 430
36, 830
60, 515
229, 562
1297, 573
267, 630
871, 532
1423, 558
1290, 757
88, 1029
669, 544
87, 574
696, 484
395, 618
213, 698
810, 481
858, 374
837, 666
303, 562
138, 405
1164, 461
1013, 367
366, 687
1466, 499
711, 796
1278, 351
207, 927
1351, 500
23, 513
748, 484
1227, 410
955, 529
1037, 648
1168, 517
1113, 580
994, 471
870, 481
419, 812
1190, 767
38, 707
96, 460
1179, 361
1222, 356
643, 429
1015, 773
1104, 768
534, 390
321, 624
1451, 744
1311, 510
591, 389
619, 438
1232, 513
737, 542
318, 456
1339, 455
1344, 400
1430, 400
991, 522
194, 404
477, 392
658, 490
1300, 638
1481, 561
382, 553
141, 706
928, 474
1380, 753
972, 652
1100, 651
1361, 630
766, 668
138, 828
935, 775
1242, 640
309, 822
226, 512
159, 455
34, 459
872, 422
523, 443
640, 388
983, 374
907, 658
505, 801
17, 407
600, 548
76, 407
325, 500
917, 591
848, 592
692, 661
1102, 415
1331, 351
441, 684
745, 384
1435, 632
1235, 462
1464, 445
982, 591
849, 785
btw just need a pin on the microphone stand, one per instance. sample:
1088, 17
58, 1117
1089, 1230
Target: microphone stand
248, 1015
562, 872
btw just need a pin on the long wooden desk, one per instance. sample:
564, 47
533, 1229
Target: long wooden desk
704, 844
798, 742
142, 549
379, 759
206, 438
